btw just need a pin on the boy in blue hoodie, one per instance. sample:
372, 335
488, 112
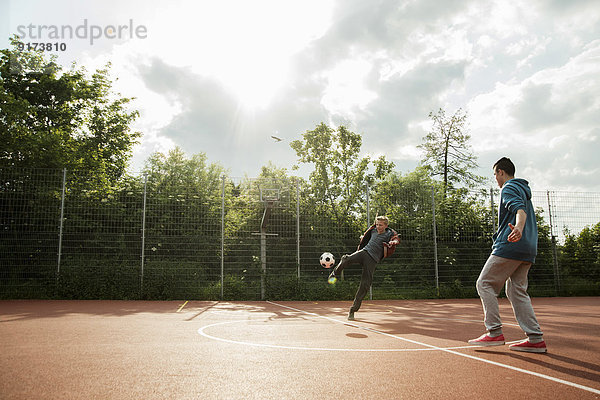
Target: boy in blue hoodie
513, 252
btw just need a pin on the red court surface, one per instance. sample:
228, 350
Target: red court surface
291, 350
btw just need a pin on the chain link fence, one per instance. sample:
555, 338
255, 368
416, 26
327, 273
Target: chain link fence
66, 234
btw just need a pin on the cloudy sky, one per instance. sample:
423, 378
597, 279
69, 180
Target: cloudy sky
221, 77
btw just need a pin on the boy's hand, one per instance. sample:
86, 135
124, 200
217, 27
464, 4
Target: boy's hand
515, 235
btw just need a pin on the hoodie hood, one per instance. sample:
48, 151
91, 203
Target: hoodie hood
523, 184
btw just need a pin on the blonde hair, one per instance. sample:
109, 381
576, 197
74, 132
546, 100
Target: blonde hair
382, 218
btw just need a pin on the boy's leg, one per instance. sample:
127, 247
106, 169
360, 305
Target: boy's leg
494, 274
347, 259
368, 269
516, 291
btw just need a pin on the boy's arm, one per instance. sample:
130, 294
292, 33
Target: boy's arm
517, 229
395, 240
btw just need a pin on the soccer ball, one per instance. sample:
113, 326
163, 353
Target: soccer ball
327, 260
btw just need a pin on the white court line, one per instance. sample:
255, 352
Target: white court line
202, 332
477, 321
550, 378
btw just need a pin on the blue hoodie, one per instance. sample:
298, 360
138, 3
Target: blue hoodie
516, 195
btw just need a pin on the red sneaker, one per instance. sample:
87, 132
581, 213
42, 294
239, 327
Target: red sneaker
487, 340
529, 347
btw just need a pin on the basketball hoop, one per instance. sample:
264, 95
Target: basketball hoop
269, 196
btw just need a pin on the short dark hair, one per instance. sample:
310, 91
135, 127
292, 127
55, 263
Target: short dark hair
505, 165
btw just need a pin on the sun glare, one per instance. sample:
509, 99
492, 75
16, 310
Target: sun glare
248, 45
346, 91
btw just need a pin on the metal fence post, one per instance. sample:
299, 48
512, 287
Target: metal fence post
435, 252
557, 284
222, 233
61, 223
143, 233
368, 204
368, 223
298, 225
492, 210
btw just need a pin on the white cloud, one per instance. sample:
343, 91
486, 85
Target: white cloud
506, 19
346, 89
548, 119
220, 77
246, 45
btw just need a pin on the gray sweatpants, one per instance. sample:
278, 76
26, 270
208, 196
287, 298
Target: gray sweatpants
368, 268
495, 272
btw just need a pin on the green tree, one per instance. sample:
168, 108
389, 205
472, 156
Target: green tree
407, 200
183, 224
50, 118
541, 276
340, 174
184, 197
176, 173
447, 149
580, 254
245, 215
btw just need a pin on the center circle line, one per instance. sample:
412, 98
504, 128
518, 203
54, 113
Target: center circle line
202, 332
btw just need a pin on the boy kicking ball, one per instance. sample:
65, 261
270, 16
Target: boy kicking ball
378, 242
